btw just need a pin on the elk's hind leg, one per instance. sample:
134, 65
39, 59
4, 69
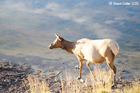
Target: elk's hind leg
114, 70
109, 60
88, 65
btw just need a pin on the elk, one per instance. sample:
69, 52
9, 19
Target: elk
95, 51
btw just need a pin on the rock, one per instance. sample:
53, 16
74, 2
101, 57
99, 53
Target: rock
130, 79
120, 78
138, 79
88, 82
120, 86
122, 70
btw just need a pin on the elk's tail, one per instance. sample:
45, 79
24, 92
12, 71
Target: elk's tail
114, 47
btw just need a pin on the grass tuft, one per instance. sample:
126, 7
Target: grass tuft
135, 88
37, 85
103, 84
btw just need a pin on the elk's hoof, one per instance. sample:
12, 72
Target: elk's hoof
82, 80
77, 67
113, 85
78, 78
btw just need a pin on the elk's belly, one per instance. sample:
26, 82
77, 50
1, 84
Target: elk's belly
95, 59
98, 60
93, 55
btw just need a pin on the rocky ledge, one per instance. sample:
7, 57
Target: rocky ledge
13, 77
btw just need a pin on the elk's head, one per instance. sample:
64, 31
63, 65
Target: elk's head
57, 43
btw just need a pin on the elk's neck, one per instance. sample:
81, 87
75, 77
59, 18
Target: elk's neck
68, 46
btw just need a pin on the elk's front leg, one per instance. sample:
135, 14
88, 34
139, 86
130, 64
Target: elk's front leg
81, 65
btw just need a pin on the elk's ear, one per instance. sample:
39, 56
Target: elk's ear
59, 37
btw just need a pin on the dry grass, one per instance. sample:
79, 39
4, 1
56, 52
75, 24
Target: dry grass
37, 85
102, 85
135, 88
70, 84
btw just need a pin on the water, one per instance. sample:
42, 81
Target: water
28, 27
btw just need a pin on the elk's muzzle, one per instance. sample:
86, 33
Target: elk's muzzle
50, 46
